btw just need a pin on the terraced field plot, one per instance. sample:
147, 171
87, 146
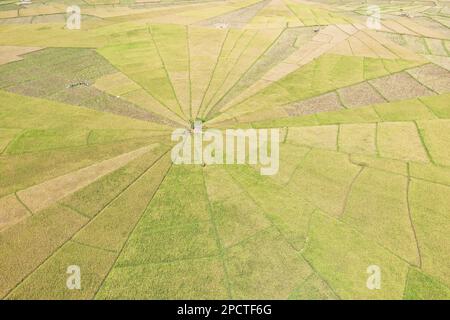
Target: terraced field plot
86, 177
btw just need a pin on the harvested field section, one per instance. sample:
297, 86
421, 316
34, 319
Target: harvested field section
323, 103
256, 47
82, 251
326, 73
433, 77
360, 95
67, 75
399, 86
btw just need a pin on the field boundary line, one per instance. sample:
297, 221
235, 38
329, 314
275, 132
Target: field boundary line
238, 58
325, 213
75, 147
213, 73
23, 204
422, 140
94, 163
12, 141
420, 99
222, 252
214, 107
91, 246
165, 70
163, 104
289, 244
408, 204
322, 93
350, 188
143, 264
81, 228
134, 227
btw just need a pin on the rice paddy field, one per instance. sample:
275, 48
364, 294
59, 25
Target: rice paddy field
86, 177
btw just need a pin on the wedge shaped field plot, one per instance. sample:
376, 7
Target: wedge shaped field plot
88, 178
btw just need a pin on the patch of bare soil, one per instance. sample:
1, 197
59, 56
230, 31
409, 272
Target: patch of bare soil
361, 94
323, 103
400, 86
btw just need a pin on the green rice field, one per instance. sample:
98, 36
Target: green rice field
87, 178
